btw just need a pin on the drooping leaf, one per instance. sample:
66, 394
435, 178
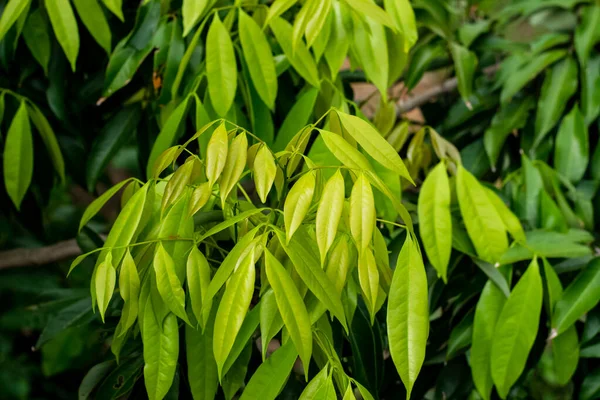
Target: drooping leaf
167, 282
571, 151
329, 213
368, 277
370, 47
590, 97
298, 202
105, 277
198, 279
565, 355
116, 7
93, 18
216, 154
404, 17
129, 289
362, 212
202, 368
64, 25
11, 13
221, 69
36, 33
264, 172
587, 33
191, 12
511, 222
344, 152
320, 387
18, 157
370, 9
465, 63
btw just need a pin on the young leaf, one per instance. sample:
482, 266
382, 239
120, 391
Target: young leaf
115, 7
198, 279
320, 387
270, 320
404, 17
338, 43
232, 310
578, 298
370, 46
315, 25
371, 10
179, 181
259, 58
291, 307
362, 212
18, 157
516, 330
374, 144
93, 18
344, 152
465, 63
199, 198
105, 277
12, 11
65, 28
234, 166
264, 172
216, 154
408, 314
221, 68
298, 202
368, 277
168, 284
487, 312
587, 33
559, 85
191, 12
571, 151
483, 223
329, 213
511, 222
435, 220
129, 288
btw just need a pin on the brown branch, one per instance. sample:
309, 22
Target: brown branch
449, 85
25, 257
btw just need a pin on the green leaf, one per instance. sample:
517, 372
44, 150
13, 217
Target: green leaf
590, 97
370, 47
320, 387
122, 65
18, 157
516, 330
316, 24
344, 152
37, 38
115, 7
161, 350
299, 57
571, 151
75, 314
484, 225
93, 378
578, 298
362, 213
469, 32
230, 222
298, 202
404, 17
221, 68
234, 166
105, 277
168, 135
368, 277
487, 313
565, 355
559, 85
465, 64
202, 368
511, 117
168, 284
65, 28
298, 116
291, 307
264, 172
259, 58
117, 131
374, 144
93, 18
547, 244
96, 205
587, 33
435, 220
129, 288
528, 72
461, 336
533, 187
232, 310
590, 387
191, 11
243, 338
12, 11
329, 213
408, 314
49, 138
198, 278
270, 320
271, 375
371, 10
216, 154
338, 43
510, 220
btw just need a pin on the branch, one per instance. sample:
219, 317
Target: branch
449, 85
39, 256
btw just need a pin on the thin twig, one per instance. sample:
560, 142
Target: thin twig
26, 257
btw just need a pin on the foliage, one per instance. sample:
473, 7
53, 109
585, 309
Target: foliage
270, 239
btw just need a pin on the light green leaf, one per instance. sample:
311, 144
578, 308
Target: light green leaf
587, 33
198, 279
344, 152
484, 225
565, 355
191, 11
234, 166
404, 17
296, 119
18, 157
202, 368
232, 310
168, 284
243, 338
510, 220
291, 307
571, 151
516, 330
264, 169
37, 38
329, 213
271, 375
487, 312
370, 47
435, 220
199, 197
221, 67
315, 24
129, 288
259, 59
559, 85
374, 144
578, 298
338, 43
320, 387
93, 18
370, 9
408, 314
230, 222
362, 212
533, 187
105, 277
96, 205
368, 277
300, 58
216, 154
465, 64
12, 11
279, 7
270, 320
115, 7
298, 202
65, 28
